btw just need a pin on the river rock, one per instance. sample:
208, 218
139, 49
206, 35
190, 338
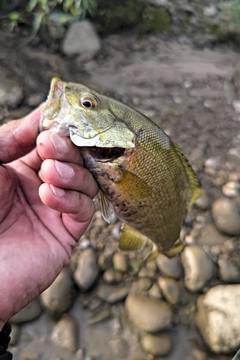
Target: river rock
169, 266
226, 216
218, 318
81, 39
198, 267
228, 271
59, 297
112, 294
110, 276
203, 202
87, 270
155, 292
120, 262
157, 345
142, 284
64, 333
170, 289
147, 313
30, 312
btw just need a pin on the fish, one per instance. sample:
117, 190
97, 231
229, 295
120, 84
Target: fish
143, 176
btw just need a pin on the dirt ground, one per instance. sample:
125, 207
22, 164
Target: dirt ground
186, 91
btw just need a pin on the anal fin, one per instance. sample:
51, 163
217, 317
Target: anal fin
131, 239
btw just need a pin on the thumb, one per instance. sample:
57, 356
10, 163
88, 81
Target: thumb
18, 137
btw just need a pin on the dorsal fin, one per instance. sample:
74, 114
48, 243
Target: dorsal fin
193, 180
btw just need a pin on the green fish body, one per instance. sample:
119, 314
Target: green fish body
142, 175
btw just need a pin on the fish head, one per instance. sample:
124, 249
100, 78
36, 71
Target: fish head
85, 115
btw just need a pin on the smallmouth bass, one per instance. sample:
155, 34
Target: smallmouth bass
143, 176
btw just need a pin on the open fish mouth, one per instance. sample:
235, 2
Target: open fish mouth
103, 154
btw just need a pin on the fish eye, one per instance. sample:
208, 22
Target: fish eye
88, 103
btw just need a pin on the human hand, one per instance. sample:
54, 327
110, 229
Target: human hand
45, 206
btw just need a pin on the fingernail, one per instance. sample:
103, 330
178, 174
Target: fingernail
59, 143
64, 170
57, 191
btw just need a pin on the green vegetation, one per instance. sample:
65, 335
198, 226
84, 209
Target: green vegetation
108, 15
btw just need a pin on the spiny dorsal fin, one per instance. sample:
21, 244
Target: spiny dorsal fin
105, 206
193, 180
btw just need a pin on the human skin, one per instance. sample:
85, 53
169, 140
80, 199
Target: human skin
45, 206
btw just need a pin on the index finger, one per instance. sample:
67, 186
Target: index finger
52, 146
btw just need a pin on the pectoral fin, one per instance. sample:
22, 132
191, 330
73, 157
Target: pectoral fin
132, 186
105, 206
131, 239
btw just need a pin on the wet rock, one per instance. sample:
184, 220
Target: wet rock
120, 262
226, 216
112, 294
81, 39
147, 313
198, 267
64, 333
170, 289
30, 312
87, 270
59, 297
111, 276
135, 265
218, 318
169, 266
157, 345
203, 202
228, 271
231, 189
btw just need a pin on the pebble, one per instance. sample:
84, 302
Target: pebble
120, 262
170, 289
100, 316
236, 106
211, 236
142, 284
210, 11
59, 297
81, 39
110, 276
147, 313
212, 163
112, 294
35, 99
226, 216
203, 202
87, 269
231, 189
64, 333
199, 269
29, 313
157, 345
228, 271
105, 261
169, 266
15, 334
135, 265
155, 292
218, 318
